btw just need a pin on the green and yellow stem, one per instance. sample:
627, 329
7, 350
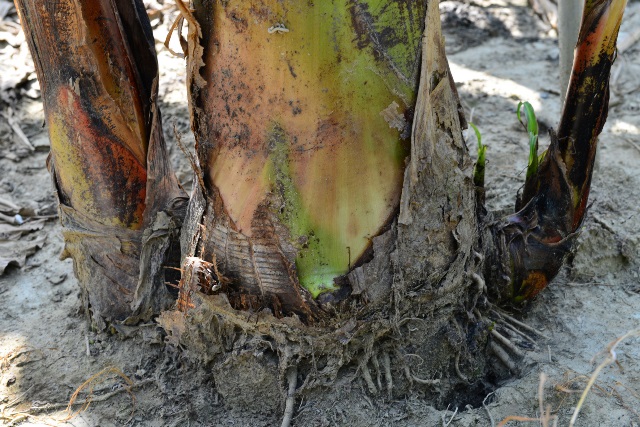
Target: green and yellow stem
309, 110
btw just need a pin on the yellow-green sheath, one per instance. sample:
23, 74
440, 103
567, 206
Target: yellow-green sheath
309, 106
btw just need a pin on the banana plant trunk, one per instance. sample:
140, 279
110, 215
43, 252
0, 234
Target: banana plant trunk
303, 115
336, 200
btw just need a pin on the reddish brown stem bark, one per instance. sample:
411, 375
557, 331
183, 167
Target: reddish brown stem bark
97, 68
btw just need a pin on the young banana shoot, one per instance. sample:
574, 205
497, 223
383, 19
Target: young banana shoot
532, 243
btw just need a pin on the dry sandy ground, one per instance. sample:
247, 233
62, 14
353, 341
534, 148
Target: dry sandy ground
499, 53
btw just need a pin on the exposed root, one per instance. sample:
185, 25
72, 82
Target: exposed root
386, 364
506, 343
14, 419
425, 382
408, 375
7, 414
502, 344
503, 356
367, 350
509, 342
11, 417
481, 288
17, 417
376, 364
516, 322
518, 332
6, 360
90, 384
446, 423
93, 399
479, 281
292, 378
414, 379
458, 371
366, 374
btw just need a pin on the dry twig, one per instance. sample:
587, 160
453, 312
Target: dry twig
94, 380
447, 423
486, 408
611, 358
545, 417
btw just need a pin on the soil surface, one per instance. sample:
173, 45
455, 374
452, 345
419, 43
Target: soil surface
500, 52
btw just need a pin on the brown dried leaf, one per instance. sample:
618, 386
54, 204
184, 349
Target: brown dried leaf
16, 252
13, 250
9, 232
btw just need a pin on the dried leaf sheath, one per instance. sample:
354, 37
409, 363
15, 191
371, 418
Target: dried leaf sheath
98, 73
535, 240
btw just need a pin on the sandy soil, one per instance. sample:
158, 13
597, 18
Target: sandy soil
500, 53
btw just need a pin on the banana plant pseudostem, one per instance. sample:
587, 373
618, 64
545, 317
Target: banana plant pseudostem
302, 116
